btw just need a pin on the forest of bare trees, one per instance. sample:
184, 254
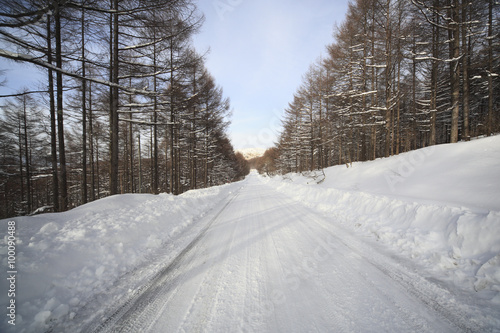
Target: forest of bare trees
400, 75
127, 105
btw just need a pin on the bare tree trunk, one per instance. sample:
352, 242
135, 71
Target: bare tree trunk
60, 120
27, 158
97, 169
156, 180
131, 146
151, 157
53, 128
125, 175
172, 121
140, 162
465, 72
490, 68
311, 120
397, 88
205, 176
374, 80
193, 135
177, 189
434, 74
388, 83
167, 167
455, 70
84, 116
91, 146
398, 108
414, 129
114, 128
20, 145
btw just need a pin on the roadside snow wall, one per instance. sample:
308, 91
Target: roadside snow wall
64, 259
439, 206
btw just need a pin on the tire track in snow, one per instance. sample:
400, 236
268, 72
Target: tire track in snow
351, 290
206, 299
337, 314
145, 302
426, 293
413, 284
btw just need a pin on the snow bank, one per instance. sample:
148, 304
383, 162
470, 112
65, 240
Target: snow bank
438, 205
63, 259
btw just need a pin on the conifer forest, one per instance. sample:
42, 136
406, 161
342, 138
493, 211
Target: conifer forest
400, 75
127, 104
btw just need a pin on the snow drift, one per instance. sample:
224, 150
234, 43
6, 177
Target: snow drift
64, 259
438, 205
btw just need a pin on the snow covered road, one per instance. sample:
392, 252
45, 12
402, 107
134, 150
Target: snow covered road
266, 263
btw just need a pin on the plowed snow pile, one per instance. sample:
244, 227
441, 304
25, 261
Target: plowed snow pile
439, 205
63, 259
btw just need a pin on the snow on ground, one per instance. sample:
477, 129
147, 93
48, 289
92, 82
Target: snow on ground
63, 259
267, 263
439, 206
249, 256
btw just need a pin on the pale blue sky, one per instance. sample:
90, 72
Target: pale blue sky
259, 51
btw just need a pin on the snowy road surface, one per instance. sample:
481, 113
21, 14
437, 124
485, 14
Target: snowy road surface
265, 263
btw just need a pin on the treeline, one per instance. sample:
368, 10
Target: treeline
400, 75
127, 105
